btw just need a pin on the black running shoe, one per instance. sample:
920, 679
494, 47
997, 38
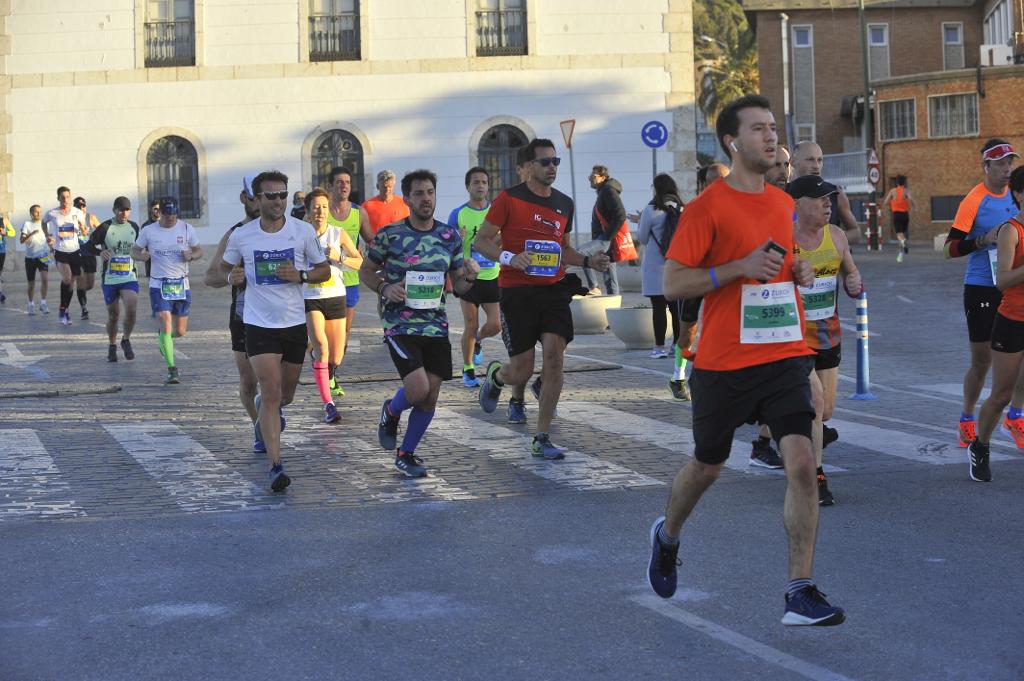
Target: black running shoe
387, 427
680, 391
126, 348
763, 454
980, 471
278, 479
828, 436
808, 607
111, 353
410, 464
85, 313
172, 376
825, 497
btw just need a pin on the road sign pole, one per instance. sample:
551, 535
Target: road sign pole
576, 227
654, 164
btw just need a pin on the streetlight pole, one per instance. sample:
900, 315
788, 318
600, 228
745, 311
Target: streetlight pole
869, 132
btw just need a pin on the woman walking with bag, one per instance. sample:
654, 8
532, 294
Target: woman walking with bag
655, 231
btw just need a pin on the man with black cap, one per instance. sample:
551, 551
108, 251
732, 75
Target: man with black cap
112, 241
826, 248
171, 244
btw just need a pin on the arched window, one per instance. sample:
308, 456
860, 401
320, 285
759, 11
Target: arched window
497, 153
338, 148
173, 170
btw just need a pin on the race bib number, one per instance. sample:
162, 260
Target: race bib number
423, 290
265, 264
545, 257
480, 259
993, 261
330, 283
119, 266
45, 259
172, 289
819, 299
768, 314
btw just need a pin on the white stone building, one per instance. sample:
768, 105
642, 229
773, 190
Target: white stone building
146, 97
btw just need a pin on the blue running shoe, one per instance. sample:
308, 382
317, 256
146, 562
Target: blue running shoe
516, 411
257, 445
331, 414
478, 353
542, 448
489, 392
387, 427
808, 607
278, 479
661, 570
469, 379
410, 464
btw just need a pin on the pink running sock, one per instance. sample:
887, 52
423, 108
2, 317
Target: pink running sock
323, 381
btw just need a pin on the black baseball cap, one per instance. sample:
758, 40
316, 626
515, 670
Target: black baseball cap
810, 187
169, 205
122, 202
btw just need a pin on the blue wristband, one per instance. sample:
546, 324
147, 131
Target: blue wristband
714, 279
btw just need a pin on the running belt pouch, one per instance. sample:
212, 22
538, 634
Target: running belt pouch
572, 285
622, 248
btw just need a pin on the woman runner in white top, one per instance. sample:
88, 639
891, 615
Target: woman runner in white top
325, 302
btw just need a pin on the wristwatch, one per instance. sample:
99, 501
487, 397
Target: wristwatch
303, 276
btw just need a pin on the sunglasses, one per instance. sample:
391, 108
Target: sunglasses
551, 161
275, 195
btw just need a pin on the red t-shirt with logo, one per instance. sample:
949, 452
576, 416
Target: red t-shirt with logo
523, 216
722, 225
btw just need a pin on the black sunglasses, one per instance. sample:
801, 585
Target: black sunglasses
275, 195
550, 161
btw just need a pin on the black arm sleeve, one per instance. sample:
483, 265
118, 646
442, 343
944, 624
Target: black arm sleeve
96, 239
957, 246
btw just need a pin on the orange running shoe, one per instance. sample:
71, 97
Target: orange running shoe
1015, 429
968, 432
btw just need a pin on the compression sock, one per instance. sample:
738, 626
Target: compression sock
81, 297
65, 296
416, 428
167, 348
320, 376
966, 417
398, 403
680, 369
797, 584
1013, 413
665, 538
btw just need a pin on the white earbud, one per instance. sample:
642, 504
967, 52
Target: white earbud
733, 145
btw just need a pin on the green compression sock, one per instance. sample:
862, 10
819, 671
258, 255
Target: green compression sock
680, 361
167, 348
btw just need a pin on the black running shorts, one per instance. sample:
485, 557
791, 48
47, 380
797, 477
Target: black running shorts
1007, 335
829, 358
901, 222
527, 312
72, 260
482, 292
777, 394
980, 305
330, 308
33, 265
88, 263
289, 342
237, 328
430, 353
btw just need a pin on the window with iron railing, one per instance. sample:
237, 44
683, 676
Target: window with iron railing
338, 148
334, 30
169, 33
899, 119
500, 28
172, 169
497, 153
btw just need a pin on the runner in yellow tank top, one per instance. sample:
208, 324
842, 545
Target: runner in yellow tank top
825, 246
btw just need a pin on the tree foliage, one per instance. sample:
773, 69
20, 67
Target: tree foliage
728, 62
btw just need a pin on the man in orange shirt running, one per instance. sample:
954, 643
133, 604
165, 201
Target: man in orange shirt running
385, 208
734, 247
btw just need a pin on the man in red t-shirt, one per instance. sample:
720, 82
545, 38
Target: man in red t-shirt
385, 208
734, 246
527, 231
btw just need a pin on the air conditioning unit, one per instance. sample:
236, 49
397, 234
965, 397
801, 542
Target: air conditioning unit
996, 55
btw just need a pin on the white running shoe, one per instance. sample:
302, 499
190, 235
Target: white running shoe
31, 308
43, 307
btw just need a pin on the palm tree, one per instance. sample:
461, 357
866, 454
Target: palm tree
733, 74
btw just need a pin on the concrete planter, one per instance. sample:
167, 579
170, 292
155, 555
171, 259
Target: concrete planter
632, 326
588, 313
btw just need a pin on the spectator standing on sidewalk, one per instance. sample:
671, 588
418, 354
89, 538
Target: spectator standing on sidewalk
655, 234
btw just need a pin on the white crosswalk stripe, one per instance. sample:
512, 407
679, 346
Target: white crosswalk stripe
30, 482
905, 446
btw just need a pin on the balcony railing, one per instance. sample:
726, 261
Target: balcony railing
500, 32
170, 43
334, 37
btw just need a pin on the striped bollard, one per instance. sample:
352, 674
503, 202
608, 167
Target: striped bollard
863, 370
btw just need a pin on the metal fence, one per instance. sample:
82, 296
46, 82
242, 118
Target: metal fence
170, 43
849, 170
334, 37
500, 32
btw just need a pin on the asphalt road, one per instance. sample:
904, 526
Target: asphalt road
139, 540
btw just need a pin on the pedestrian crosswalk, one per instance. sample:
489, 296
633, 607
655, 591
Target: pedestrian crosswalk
471, 456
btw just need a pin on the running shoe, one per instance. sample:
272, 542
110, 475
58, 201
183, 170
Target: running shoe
278, 479
126, 348
65, 318
980, 471
478, 353
763, 454
258, 447
336, 389
808, 607
387, 427
469, 379
899, 257
489, 392
1015, 429
828, 435
3, 299
680, 390
172, 376
111, 353
43, 307
410, 464
825, 497
543, 448
516, 411
331, 414
658, 352
535, 388
85, 313
661, 569
968, 432
31, 308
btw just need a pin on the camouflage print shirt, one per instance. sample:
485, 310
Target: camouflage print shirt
406, 255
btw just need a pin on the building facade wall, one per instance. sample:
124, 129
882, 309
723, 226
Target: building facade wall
417, 102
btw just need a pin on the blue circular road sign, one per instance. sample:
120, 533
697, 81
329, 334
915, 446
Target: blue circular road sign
654, 134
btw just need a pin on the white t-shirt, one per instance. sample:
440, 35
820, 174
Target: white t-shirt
165, 245
333, 287
270, 302
65, 228
36, 246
